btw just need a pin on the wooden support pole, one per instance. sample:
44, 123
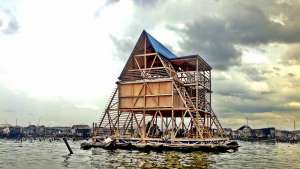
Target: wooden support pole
162, 122
131, 122
68, 146
144, 126
173, 126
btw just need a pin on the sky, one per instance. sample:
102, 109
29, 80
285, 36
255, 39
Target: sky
60, 59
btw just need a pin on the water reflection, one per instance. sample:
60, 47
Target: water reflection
136, 159
66, 162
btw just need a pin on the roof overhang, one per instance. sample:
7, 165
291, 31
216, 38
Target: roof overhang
189, 63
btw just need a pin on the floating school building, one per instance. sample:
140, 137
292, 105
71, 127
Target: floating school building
161, 97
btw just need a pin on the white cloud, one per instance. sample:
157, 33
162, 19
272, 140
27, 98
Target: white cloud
61, 50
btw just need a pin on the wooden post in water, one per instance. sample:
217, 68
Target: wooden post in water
67, 144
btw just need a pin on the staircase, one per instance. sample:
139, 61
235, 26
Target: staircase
112, 119
108, 118
217, 122
197, 120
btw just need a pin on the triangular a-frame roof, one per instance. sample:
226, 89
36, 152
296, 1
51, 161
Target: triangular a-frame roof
156, 45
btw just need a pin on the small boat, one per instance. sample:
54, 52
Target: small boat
232, 145
106, 144
86, 146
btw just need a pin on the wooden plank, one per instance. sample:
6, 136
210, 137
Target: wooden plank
138, 89
125, 90
152, 88
177, 101
126, 103
146, 54
165, 101
152, 101
139, 103
165, 88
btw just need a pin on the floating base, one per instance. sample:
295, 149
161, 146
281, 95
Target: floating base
158, 146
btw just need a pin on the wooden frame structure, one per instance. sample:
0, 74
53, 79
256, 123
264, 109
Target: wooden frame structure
160, 97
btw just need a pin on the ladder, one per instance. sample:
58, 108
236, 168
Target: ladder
194, 113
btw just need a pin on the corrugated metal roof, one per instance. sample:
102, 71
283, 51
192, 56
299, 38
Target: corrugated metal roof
160, 48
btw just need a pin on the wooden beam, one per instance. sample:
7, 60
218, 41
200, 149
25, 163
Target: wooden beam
143, 86
146, 54
151, 123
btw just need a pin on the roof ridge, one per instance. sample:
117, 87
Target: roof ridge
159, 47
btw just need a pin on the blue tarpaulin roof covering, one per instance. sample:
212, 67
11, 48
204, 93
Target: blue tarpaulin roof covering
160, 48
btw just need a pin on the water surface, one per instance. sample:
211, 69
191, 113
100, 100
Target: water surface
54, 155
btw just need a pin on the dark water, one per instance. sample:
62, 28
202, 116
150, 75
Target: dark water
45, 155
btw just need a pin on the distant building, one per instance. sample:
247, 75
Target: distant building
234, 135
283, 133
30, 130
264, 133
58, 131
4, 130
41, 130
297, 133
244, 131
8, 131
286, 136
15, 132
81, 131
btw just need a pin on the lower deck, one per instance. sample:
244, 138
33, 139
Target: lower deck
163, 140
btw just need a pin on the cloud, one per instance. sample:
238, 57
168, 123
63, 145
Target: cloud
292, 55
218, 29
291, 74
260, 120
237, 91
148, 3
208, 36
54, 111
256, 73
142, 3
251, 24
122, 47
8, 22
218, 37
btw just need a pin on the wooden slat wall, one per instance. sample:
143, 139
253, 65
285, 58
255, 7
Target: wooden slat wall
177, 101
155, 95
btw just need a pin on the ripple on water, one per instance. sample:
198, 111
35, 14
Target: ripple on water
54, 155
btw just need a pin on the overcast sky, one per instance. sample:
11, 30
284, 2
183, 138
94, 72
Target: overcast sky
59, 59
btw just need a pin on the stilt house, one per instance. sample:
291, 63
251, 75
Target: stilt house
160, 96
